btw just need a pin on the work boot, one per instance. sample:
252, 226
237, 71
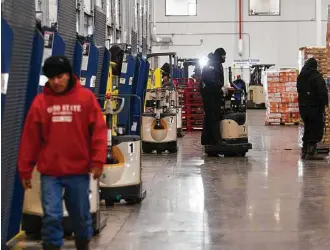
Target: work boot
46, 246
303, 152
82, 244
311, 151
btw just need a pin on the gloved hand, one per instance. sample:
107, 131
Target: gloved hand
224, 90
27, 184
96, 172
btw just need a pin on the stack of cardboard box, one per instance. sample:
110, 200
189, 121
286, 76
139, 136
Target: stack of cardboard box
281, 97
326, 137
319, 53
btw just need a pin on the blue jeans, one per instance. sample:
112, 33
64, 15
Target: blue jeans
76, 198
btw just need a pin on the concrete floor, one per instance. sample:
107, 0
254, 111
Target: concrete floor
268, 200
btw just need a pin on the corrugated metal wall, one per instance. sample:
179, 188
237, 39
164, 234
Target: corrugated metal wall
99, 39
67, 25
20, 15
134, 42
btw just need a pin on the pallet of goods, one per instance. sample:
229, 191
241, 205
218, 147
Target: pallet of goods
326, 137
319, 53
281, 98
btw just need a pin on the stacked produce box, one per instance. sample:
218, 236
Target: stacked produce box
326, 137
281, 98
319, 53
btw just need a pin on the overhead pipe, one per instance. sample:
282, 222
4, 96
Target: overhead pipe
240, 40
210, 34
153, 32
180, 45
250, 21
153, 26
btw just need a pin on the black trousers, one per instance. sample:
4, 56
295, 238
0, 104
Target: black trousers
213, 101
314, 121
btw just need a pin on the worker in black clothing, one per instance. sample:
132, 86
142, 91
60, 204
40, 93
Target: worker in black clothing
212, 82
312, 99
166, 80
239, 84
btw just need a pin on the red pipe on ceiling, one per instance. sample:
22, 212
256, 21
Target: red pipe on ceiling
240, 18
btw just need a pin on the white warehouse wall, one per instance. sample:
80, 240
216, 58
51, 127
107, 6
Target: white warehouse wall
271, 39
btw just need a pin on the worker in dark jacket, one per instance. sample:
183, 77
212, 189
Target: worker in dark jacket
212, 82
312, 98
239, 84
166, 80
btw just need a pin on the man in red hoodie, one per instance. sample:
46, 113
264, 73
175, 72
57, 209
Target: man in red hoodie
65, 136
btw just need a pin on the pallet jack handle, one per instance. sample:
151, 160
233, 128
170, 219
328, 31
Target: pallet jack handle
108, 107
109, 112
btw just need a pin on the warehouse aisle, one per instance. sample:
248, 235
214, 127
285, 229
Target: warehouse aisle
268, 200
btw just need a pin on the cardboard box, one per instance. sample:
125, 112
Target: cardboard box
274, 115
274, 120
290, 89
290, 84
276, 89
273, 79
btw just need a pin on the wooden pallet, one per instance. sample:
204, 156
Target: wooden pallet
282, 123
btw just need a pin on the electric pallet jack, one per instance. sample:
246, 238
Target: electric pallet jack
159, 121
33, 213
233, 126
173, 62
256, 95
121, 178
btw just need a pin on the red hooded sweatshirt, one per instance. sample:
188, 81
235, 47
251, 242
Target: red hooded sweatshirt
63, 134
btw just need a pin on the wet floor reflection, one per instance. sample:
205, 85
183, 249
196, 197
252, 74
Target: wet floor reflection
268, 200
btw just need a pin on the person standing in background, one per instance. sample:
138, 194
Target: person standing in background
312, 99
239, 84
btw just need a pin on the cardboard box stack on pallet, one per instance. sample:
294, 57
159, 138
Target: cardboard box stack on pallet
319, 53
326, 137
281, 98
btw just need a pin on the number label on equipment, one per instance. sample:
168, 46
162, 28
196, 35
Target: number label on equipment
122, 80
131, 148
171, 119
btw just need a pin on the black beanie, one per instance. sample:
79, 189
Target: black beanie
218, 53
56, 65
311, 63
166, 68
